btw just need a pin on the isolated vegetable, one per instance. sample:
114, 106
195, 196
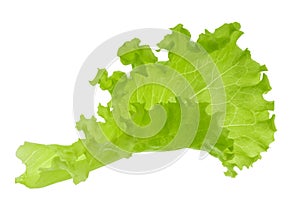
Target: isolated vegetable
168, 105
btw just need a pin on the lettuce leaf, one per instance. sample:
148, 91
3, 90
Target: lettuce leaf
167, 97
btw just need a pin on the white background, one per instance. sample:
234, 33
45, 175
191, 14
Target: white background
43, 45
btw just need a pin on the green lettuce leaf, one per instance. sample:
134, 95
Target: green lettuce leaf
204, 87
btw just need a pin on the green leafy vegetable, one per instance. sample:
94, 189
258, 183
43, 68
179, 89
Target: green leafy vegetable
207, 96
